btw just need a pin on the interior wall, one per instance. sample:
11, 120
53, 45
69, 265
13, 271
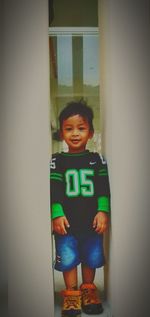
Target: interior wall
3, 219
125, 99
25, 157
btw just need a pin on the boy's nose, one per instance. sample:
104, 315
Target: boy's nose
75, 132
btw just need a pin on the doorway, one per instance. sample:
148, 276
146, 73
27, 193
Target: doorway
74, 74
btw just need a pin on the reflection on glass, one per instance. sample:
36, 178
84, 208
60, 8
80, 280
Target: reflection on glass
64, 60
90, 60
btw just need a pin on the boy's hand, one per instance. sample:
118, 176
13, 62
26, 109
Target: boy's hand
60, 224
100, 223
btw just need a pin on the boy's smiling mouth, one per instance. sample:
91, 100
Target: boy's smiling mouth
75, 140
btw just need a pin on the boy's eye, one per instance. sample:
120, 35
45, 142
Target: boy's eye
81, 128
68, 129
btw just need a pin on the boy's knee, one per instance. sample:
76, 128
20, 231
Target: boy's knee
66, 262
67, 255
93, 254
95, 259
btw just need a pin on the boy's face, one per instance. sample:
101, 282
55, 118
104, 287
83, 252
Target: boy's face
76, 132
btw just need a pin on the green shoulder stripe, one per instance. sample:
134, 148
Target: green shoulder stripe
56, 176
102, 170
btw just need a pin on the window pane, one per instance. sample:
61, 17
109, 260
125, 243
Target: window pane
64, 60
90, 60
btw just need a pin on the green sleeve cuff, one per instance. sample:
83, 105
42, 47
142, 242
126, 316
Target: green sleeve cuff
104, 204
57, 210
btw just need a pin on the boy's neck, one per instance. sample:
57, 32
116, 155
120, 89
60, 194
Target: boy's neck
76, 151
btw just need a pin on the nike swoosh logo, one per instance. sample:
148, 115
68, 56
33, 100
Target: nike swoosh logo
92, 163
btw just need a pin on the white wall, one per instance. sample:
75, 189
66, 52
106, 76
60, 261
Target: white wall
25, 154
3, 267
125, 100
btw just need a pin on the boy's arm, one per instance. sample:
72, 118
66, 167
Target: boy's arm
59, 221
103, 191
56, 188
60, 224
101, 219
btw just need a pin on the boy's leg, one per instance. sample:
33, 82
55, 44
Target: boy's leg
70, 278
91, 303
67, 259
92, 255
72, 296
88, 274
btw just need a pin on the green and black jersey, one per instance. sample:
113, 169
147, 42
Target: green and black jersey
79, 188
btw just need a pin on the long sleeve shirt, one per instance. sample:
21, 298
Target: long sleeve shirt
79, 188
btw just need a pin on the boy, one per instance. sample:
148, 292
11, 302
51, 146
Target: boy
80, 205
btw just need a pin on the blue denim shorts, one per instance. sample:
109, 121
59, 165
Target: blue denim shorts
71, 251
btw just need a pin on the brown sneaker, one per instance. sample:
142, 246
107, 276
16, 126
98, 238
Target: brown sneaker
71, 303
91, 303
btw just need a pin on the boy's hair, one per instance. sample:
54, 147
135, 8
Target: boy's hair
74, 108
